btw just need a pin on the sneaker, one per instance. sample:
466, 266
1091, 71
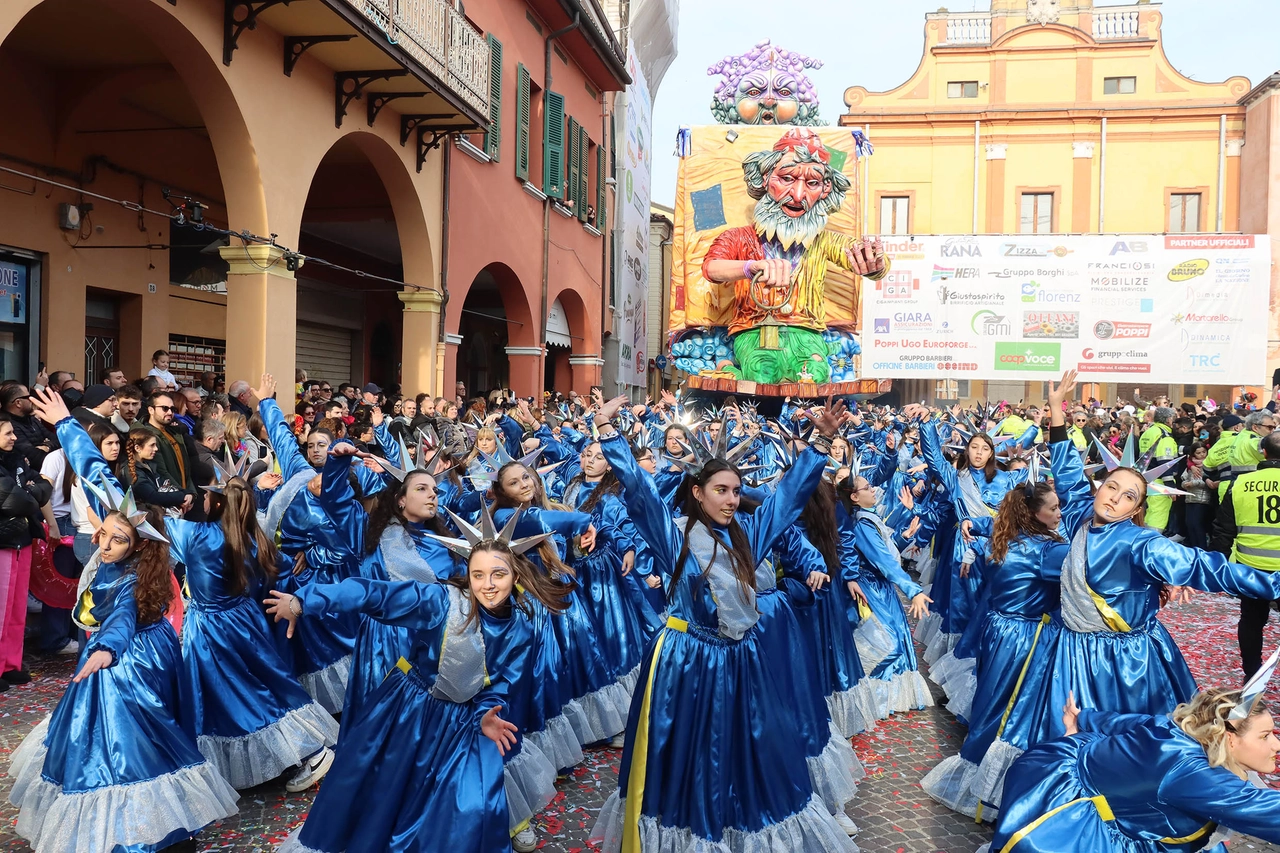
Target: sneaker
311, 771
70, 647
846, 823
618, 741
525, 841
33, 604
16, 676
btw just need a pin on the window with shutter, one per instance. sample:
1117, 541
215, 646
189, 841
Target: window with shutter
584, 172
493, 138
553, 145
601, 198
522, 122
572, 160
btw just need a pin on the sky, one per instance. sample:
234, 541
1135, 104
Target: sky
878, 44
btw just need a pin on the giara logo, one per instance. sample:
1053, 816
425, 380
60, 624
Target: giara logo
1035, 357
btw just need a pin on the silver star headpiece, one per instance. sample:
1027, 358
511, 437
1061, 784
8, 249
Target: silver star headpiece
1128, 459
486, 532
1253, 688
226, 469
703, 453
428, 450
109, 496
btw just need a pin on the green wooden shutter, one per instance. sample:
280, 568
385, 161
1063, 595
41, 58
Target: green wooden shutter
553, 145
493, 138
572, 160
601, 198
522, 122
584, 172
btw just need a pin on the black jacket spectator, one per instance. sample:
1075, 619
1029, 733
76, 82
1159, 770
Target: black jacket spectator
22, 492
151, 486
89, 416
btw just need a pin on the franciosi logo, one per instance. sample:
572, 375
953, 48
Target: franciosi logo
1027, 356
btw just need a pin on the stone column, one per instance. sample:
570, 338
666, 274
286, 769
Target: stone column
526, 371
449, 381
419, 350
586, 372
262, 315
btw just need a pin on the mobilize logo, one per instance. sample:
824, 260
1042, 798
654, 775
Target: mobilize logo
1105, 330
990, 324
1027, 356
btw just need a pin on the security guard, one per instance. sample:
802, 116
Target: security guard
1075, 431
1245, 453
1247, 530
1217, 464
1160, 436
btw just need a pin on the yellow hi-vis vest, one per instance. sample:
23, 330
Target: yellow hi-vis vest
1255, 497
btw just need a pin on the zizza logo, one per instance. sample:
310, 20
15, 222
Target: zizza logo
1033, 291
1189, 269
882, 325
957, 247
1021, 250
947, 273
1105, 330
1035, 357
990, 324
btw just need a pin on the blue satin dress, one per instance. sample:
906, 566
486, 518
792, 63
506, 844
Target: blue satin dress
954, 597
415, 773
251, 717
1127, 783
111, 768
625, 619
712, 752
594, 699
377, 645
320, 651
1018, 596
900, 686
1133, 666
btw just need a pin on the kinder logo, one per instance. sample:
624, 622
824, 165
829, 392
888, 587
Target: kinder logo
1105, 330
947, 273
1027, 356
1188, 270
1213, 241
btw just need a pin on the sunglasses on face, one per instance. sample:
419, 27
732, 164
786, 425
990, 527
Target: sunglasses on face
163, 408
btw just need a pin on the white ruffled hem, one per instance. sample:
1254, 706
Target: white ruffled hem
558, 743
948, 668
293, 845
600, 715
143, 812
530, 783
939, 646
906, 691
874, 643
810, 830
927, 627
853, 711
951, 783
927, 566
835, 772
963, 690
989, 785
253, 759
328, 686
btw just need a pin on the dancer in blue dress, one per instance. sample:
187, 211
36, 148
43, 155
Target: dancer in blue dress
1112, 651
251, 716
1136, 783
696, 771
421, 768
111, 768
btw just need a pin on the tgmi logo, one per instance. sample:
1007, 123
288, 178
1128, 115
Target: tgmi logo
1205, 361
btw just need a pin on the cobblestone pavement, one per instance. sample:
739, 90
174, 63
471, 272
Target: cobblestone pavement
892, 811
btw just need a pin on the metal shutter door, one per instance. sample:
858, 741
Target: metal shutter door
324, 352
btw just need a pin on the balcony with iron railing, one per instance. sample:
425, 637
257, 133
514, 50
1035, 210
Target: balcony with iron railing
439, 38
1108, 23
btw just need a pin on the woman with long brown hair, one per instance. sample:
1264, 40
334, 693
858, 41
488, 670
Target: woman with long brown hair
422, 764
1024, 567
251, 716
694, 772
136, 470
112, 768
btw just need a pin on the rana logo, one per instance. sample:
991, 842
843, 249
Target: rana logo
1188, 270
990, 324
1033, 357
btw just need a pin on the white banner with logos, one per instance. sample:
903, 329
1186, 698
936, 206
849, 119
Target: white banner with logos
632, 208
1175, 308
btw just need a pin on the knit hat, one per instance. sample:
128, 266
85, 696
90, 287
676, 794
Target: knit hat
96, 395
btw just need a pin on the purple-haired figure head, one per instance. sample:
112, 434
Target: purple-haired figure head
765, 85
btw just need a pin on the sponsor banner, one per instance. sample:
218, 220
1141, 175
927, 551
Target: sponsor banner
1164, 307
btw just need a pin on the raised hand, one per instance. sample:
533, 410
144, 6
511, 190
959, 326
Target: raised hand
828, 421
498, 730
906, 498
1071, 715
50, 407
866, 256
912, 528
919, 606
610, 409
267, 389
